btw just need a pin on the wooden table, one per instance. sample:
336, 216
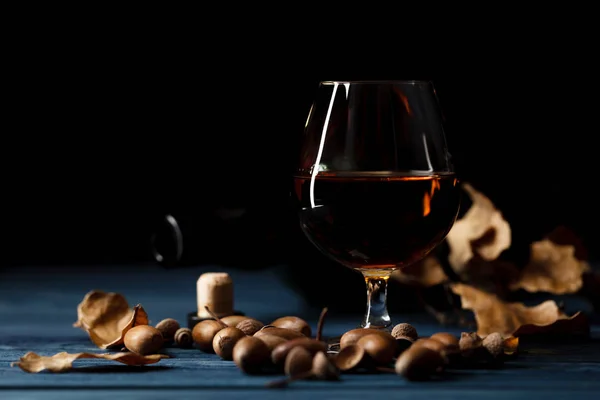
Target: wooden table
38, 308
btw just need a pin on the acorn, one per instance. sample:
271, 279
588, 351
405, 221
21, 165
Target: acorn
418, 363
352, 336
293, 323
350, 358
250, 354
143, 340
271, 341
281, 332
249, 326
167, 328
279, 353
204, 333
233, 320
225, 340
298, 362
323, 369
380, 348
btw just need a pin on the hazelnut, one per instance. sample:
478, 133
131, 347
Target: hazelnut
280, 353
225, 340
249, 326
380, 348
143, 339
293, 323
183, 338
204, 333
404, 330
250, 354
418, 363
167, 328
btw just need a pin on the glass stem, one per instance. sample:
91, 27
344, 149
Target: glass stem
377, 316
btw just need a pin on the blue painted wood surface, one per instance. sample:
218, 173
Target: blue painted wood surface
38, 308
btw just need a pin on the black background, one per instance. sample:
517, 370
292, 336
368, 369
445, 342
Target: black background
105, 134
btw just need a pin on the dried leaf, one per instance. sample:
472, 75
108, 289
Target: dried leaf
482, 231
552, 268
565, 236
493, 276
425, 273
575, 325
98, 306
61, 362
106, 317
512, 319
511, 345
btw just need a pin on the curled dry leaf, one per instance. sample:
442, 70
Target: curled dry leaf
482, 231
61, 362
511, 345
552, 268
515, 319
565, 236
106, 317
425, 273
493, 276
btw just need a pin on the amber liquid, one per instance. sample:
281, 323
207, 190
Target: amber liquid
376, 221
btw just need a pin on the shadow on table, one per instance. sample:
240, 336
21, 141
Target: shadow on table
120, 369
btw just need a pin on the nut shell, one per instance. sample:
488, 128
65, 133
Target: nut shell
143, 340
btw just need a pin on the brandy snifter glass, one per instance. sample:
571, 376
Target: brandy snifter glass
374, 184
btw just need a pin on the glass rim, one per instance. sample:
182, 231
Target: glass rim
378, 81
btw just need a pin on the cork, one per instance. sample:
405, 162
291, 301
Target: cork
215, 290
